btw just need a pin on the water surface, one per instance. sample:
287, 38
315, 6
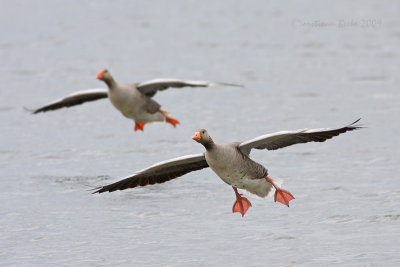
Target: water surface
302, 67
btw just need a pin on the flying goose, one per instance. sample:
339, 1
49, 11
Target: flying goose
231, 162
134, 101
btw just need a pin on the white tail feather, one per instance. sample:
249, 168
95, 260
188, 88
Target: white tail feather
262, 188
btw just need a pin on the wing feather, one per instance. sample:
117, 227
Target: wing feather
158, 173
151, 87
287, 138
74, 99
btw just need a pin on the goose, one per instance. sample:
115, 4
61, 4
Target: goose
134, 101
231, 162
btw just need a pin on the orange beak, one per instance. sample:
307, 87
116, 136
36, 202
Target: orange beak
100, 75
196, 136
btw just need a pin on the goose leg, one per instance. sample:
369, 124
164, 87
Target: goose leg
281, 195
169, 119
139, 126
241, 204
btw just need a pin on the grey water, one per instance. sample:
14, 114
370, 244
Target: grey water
307, 64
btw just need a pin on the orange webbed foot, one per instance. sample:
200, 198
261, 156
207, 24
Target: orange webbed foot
172, 121
283, 196
139, 126
241, 205
169, 119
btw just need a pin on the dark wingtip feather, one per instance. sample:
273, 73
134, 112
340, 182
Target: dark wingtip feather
230, 84
98, 190
32, 111
355, 126
36, 111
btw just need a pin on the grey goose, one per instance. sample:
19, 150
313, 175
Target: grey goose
134, 100
231, 162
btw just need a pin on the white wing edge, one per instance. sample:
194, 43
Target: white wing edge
172, 80
169, 162
83, 92
266, 136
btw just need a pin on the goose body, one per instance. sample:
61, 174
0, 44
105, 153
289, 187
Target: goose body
238, 170
134, 100
135, 105
231, 162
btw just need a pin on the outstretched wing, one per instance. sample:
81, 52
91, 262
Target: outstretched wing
151, 87
158, 173
74, 99
287, 138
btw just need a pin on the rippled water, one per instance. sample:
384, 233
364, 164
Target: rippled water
304, 65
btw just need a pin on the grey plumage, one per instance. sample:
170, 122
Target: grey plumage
148, 89
158, 173
151, 87
287, 138
229, 161
74, 99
